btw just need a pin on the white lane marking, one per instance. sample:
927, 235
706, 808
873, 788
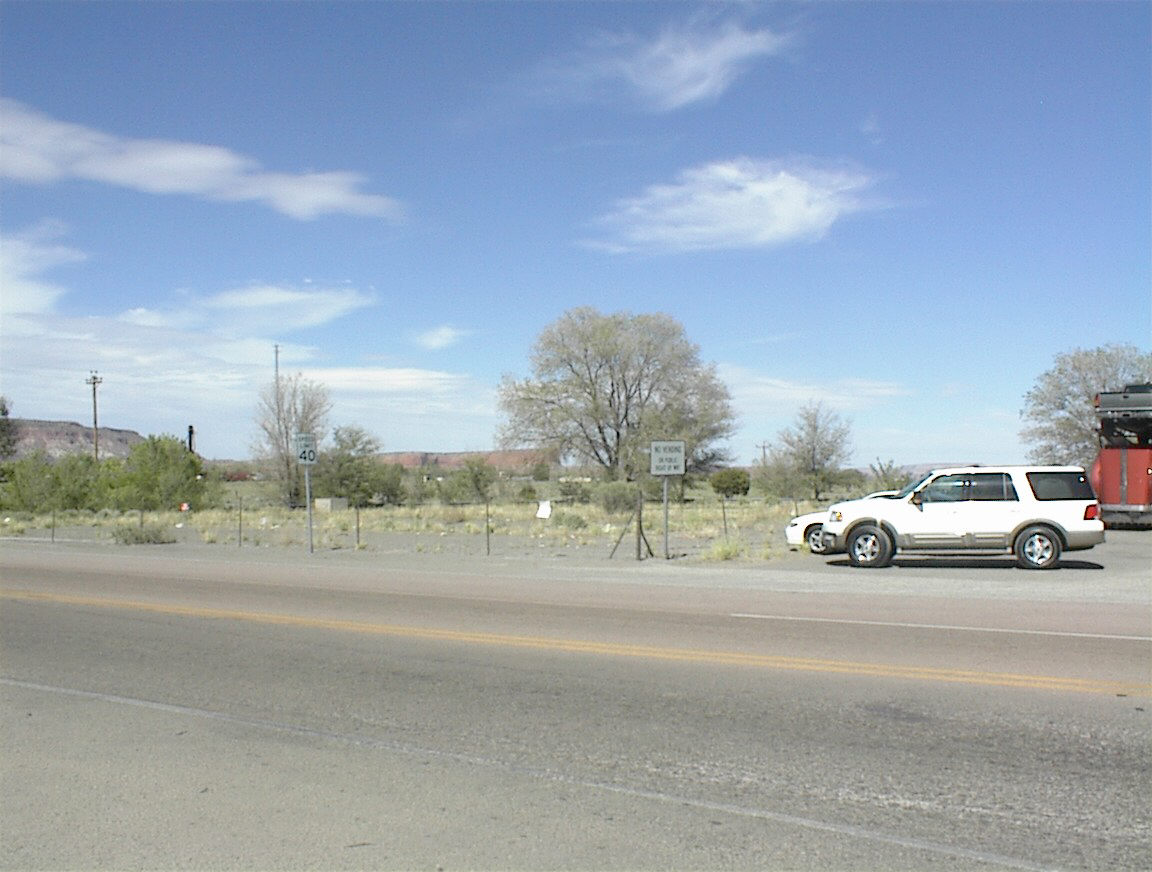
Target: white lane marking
940, 627
549, 775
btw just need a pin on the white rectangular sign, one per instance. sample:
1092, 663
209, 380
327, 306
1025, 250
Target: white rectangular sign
667, 458
304, 446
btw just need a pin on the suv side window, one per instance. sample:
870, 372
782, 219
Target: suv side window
945, 489
989, 486
1060, 486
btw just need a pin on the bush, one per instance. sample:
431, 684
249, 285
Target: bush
725, 551
617, 497
575, 491
147, 534
569, 520
731, 482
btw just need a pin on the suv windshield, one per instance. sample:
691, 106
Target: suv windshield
906, 491
1060, 486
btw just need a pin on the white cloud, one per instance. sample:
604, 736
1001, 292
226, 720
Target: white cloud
384, 380
24, 258
440, 337
256, 310
870, 128
37, 149
741, 203
682, 65
756, 393
275, 308
204, 362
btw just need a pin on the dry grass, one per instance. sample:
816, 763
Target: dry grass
753, 528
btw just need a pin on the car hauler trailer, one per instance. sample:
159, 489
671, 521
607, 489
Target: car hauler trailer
1122, 473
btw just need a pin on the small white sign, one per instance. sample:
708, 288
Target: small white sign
545, 510
304, 446
667, 458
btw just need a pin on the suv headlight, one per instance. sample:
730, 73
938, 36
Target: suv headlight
835, 516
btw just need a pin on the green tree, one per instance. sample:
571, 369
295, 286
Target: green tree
817, 446
478, 476
78, 482
161, 473
1059, 409
349, 468
729, 483
390, 488
604, 386
8, 432
782, 477
28, 486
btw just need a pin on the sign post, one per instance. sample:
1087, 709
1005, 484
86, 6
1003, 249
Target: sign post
304, 444
666, 459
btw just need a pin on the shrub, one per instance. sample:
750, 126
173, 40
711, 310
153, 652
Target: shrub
731, 482
569, 520
148, 534
725, 551
575, 491
617, 497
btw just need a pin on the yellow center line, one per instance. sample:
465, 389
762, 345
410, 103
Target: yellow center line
616, 649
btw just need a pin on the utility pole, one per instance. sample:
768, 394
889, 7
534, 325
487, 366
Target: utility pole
95, 381
763, 446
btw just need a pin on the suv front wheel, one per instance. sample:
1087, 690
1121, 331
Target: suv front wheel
869, 547
1037, 548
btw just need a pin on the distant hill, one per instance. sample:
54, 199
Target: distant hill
62, 438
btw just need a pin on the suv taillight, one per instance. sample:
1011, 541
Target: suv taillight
1092, 512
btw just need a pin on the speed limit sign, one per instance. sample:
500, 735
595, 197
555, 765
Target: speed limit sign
304, 446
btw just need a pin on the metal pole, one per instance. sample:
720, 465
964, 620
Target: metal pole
666, 554
308, 497
94, 380
639, 520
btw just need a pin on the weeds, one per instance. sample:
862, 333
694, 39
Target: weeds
754, 526
145, 534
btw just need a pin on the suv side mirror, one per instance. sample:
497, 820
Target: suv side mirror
918, 498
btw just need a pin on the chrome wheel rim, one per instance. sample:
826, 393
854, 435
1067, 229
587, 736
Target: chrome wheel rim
1038, 549
866, 548
816, 540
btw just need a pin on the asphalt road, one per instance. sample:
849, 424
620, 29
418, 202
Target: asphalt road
192, 708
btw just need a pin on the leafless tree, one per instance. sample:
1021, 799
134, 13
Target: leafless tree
1059, 409
816, 446
289, 405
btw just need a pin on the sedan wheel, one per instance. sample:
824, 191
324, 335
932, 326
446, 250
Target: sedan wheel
815, 539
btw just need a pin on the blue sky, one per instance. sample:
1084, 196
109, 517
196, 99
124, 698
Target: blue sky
903, 210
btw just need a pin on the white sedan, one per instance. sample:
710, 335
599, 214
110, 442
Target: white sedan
807, 529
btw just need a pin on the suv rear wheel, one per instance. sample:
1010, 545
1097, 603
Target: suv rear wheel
1037, 548
869, 547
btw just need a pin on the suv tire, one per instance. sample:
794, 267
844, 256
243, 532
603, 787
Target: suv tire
1037, 548
869, 547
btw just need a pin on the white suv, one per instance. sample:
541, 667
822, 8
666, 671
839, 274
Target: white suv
1034, 512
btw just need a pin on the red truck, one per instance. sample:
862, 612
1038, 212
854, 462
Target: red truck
1122, 473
